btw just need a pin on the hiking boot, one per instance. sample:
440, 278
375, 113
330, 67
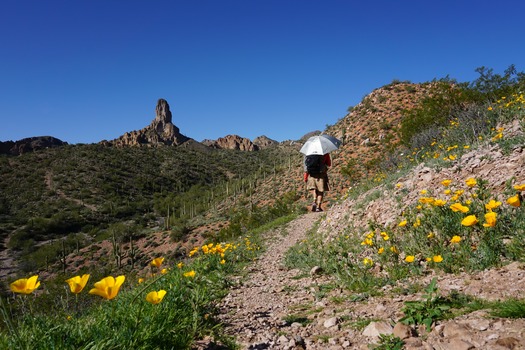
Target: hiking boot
314, 207
319, 209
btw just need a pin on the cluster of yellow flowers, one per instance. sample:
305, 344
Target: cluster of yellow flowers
490, 216
456, 205
107, 288
214, 249
516, 101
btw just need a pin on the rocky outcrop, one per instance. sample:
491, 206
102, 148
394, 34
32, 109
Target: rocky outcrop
232, 142
161, 131
264, 142
30, 144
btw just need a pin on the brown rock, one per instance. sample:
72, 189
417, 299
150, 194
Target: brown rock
402, 331
459, 344
508, 342
232, 142
161, 131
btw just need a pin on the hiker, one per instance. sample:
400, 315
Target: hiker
316, 177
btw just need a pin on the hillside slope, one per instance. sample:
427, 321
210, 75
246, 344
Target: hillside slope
281, 308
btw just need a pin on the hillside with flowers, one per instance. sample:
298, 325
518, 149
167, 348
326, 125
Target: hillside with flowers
410, 233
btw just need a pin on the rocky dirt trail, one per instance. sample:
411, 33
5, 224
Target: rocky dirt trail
261, 311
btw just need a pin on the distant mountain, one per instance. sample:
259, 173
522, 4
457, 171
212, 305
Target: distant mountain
232, 142
30, 144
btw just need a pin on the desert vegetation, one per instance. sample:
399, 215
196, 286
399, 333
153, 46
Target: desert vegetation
55, 202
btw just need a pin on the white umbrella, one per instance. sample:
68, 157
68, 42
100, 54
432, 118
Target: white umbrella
321, 144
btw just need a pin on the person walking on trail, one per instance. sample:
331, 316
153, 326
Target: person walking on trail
316, 177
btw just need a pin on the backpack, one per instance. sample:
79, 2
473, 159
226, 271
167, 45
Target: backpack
314, 164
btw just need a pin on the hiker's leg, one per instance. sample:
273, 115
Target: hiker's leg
314, 196
319, 199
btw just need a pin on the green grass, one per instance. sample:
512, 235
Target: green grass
511, 308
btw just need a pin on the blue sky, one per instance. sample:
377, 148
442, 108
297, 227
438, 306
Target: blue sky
88, 70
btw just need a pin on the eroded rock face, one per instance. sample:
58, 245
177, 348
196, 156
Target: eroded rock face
30, 144
161, 131
264, 142
232, 142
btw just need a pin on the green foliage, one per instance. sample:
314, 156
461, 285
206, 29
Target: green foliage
85, 321
448, 99
244, 220
512, 308
85, 189
389, 342
425, 312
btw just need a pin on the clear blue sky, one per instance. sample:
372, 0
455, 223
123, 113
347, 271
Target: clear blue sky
88, 70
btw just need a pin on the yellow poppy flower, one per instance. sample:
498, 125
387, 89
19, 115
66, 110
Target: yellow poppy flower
410, 258
437, 258
77, 283
394, 250
402, 223
223, 262
471, 182
108, 287
157, 262
426, 200
180, 265
492, 204
459, 207
155, 297
514, 201
164, 271
469, 220
367, 261
519, 187
490, 219
455, 239
189, 274
446, 182
439, 203
141, 280
431, 235
447, 192
428, 259
25, 285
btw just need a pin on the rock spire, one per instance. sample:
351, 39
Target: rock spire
161, 131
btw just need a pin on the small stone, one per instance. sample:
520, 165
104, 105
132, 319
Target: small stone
331, 322
374, 329
282, 340
402, 331
316, 270
508, 342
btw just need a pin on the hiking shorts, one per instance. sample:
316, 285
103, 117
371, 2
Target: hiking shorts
318, 183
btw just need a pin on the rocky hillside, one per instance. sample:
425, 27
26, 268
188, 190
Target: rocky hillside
235, 142
29, 144
370, 132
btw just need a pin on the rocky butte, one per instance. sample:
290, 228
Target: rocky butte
232, 142
161, 131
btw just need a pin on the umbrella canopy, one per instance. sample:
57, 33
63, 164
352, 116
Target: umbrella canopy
321, 144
